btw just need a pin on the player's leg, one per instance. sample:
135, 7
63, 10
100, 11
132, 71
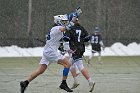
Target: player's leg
98, 48
66, 65
37, 72
85, 73
75, 72
77, 69
55, 56
74, 69
99, 57
23, 84
90, 60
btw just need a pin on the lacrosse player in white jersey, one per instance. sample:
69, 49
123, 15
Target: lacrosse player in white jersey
51, 54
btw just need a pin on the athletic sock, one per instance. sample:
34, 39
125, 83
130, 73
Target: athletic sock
26, 82
63, 81
75, 79
89, 80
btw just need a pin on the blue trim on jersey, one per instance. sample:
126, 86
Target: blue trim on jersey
65, 71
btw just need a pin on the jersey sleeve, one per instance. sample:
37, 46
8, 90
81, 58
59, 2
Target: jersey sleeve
57, 29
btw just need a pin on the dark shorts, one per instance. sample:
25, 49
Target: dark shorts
96, 47
78, 54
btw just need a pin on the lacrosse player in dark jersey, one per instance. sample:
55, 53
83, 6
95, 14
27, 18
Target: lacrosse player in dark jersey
96, 44
76, 37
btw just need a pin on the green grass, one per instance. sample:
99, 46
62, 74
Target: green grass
27, 62
19, 62
35, 59
114, 75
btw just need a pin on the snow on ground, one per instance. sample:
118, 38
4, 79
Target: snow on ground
117, 49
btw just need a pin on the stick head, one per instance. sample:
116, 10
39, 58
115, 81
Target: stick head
78, 10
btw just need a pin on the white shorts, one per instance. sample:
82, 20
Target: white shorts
50, 56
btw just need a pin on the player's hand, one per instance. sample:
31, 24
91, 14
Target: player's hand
71, 51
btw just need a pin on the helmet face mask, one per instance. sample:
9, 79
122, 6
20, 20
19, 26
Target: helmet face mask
64, 22
61, 20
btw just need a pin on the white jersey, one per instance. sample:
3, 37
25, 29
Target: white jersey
50, 53
53, 39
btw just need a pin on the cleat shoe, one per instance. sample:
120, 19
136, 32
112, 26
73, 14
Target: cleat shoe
65, 87
91, 86
75, 85
23, 86
77, 73
89, 62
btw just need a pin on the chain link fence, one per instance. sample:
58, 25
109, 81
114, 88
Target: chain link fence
23, 21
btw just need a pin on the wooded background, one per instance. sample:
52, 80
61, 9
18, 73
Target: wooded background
22, 21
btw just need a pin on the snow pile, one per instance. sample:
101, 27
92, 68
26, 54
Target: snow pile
117, 49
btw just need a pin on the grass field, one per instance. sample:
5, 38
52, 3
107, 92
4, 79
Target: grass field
114, 75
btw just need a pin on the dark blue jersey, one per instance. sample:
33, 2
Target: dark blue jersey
95, 38
76, 37
95, 42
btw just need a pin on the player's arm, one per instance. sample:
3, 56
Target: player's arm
87, 38
67, 27
86, 35
101, 42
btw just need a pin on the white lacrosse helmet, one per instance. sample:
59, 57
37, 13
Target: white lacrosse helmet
61, 20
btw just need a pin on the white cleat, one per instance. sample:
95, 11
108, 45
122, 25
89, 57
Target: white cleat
75, 85
77, 73
91, 86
